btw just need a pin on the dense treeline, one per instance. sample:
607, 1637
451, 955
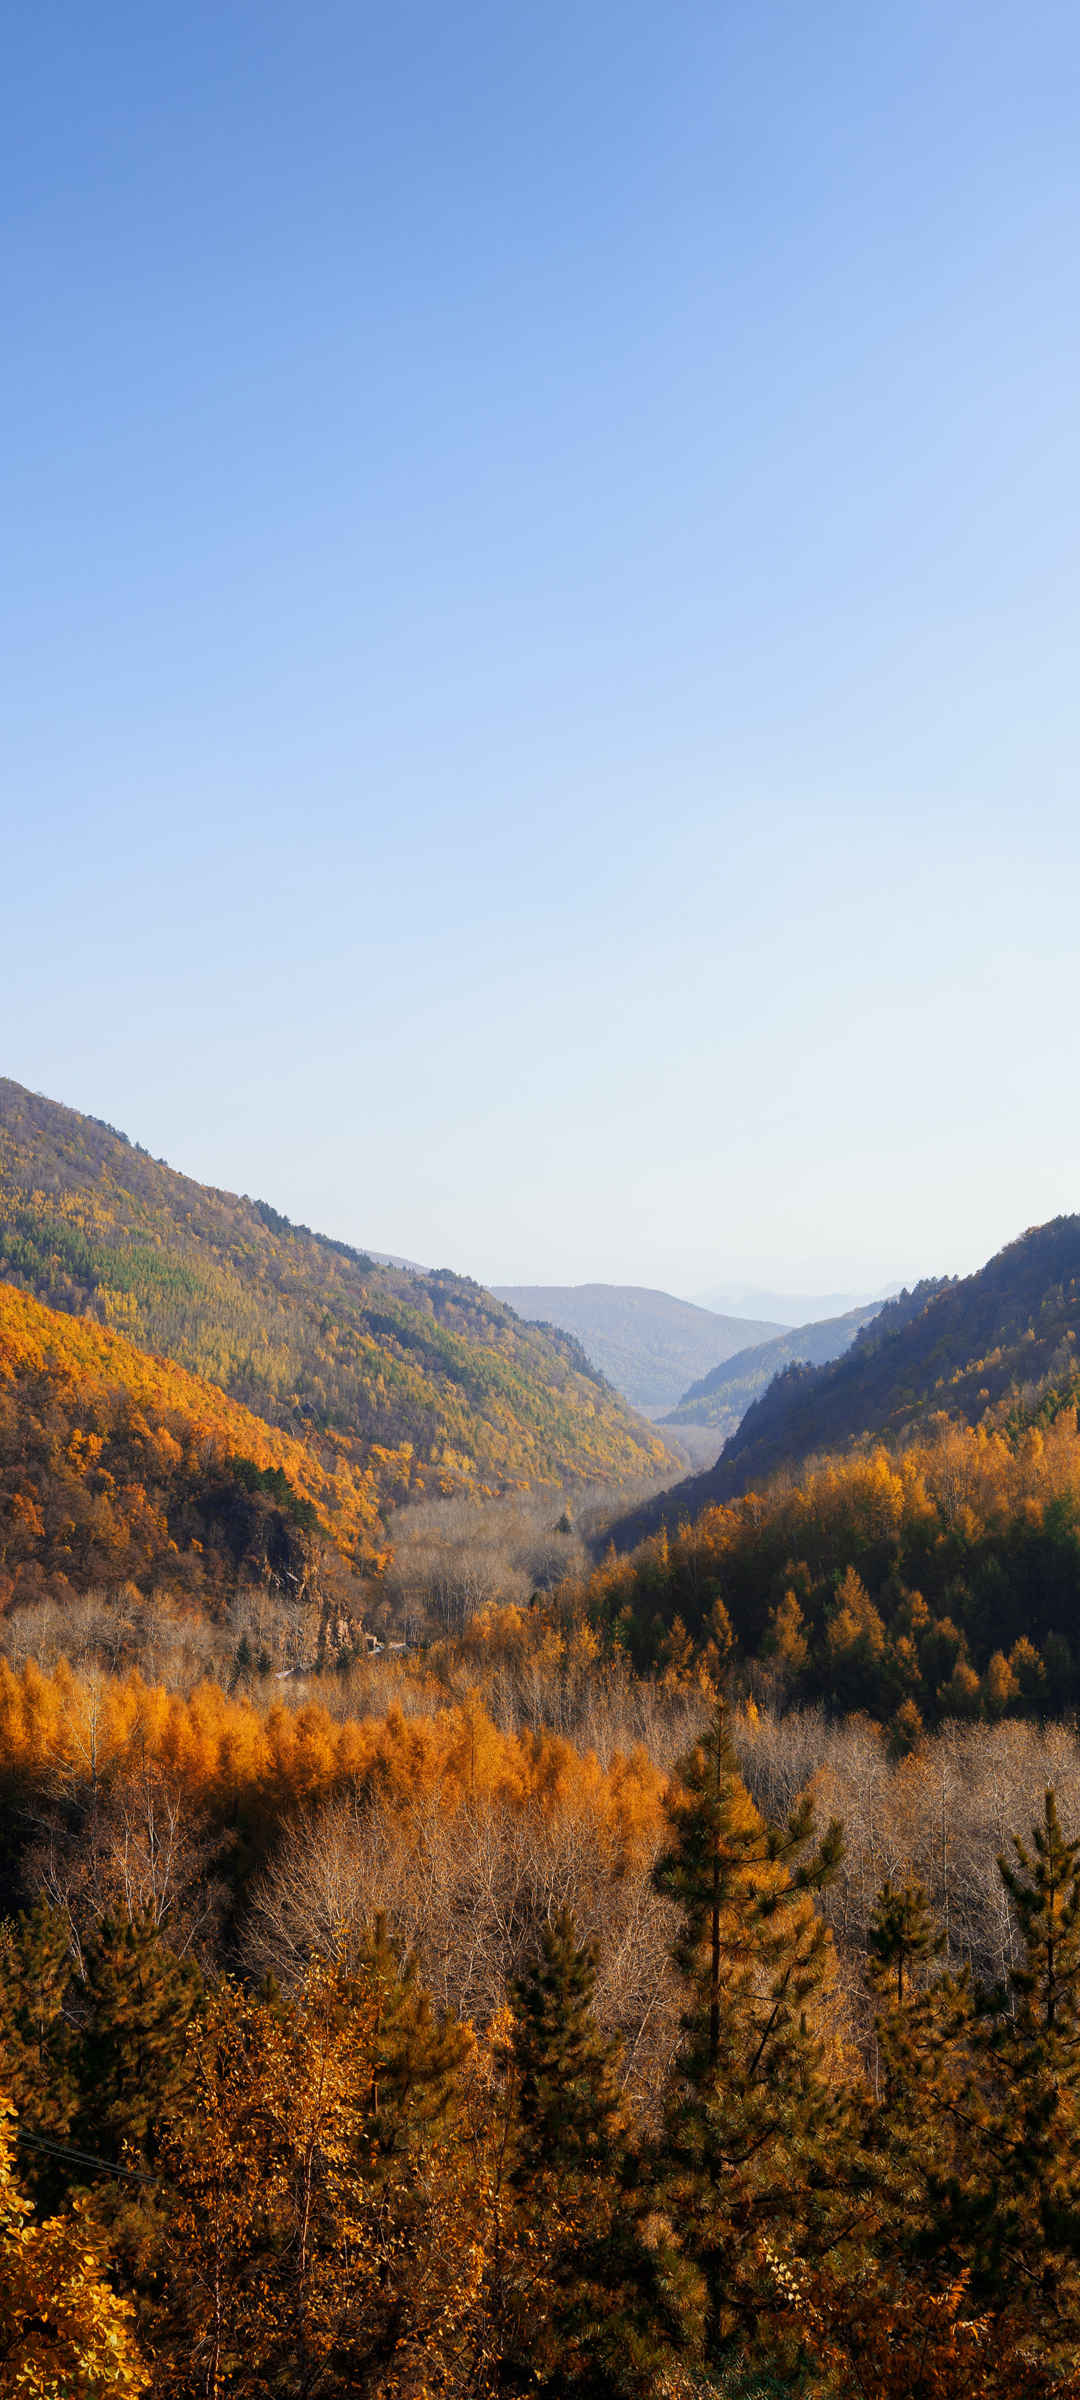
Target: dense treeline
222, 2182
430, 1383
939, 1581
468, 1791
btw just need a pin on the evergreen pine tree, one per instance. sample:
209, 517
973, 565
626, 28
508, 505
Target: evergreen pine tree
136, 2006
133, 2070
927, 2096
1044, 1887
36, 2041
902, 1938
757, 2130
603, 2303
1026, 2217
569, 2107
415, 2055
1007, 2212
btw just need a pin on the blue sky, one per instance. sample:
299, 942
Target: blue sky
540, 616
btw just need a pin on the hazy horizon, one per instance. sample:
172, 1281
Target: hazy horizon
731, 1296
734, 1292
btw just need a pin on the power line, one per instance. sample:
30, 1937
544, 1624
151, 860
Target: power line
79, 2158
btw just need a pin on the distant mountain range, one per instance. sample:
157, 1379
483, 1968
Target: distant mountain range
956, 1348
420, 1382
648, 1344
721, 1399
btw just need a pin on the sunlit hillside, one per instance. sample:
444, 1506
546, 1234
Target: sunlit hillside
120, 1468
430, 1383
953, 1347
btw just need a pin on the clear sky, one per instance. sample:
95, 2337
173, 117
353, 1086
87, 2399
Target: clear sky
541, 619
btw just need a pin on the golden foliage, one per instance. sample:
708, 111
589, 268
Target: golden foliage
931, 1575
102, 1446
426, 1382
234, 1758
63, 2330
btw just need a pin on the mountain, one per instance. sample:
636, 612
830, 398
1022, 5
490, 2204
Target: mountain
422, 1380
958, 1347
930, 1581
721, 1399
118, 1469
648, 1344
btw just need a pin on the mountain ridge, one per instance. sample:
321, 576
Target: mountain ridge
955, 1346
722, 1398
425, 1378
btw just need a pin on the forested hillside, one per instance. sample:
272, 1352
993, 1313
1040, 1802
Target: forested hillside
648, 1344
118, 1469
418, 2009
939, 1581
957, 1346
423, 1381
722, 1398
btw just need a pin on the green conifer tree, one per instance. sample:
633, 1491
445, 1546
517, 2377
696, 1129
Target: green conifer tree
605, 2303
132, 2064
37, 2043
902, 1938
757, 2129
1029, 2234
416, 2056
1008, 2212
570, 2112
137, 2004
1044, 1886
926, 2096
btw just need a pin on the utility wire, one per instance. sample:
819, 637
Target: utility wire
79, 2158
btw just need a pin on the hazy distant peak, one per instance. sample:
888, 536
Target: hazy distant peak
648, 1343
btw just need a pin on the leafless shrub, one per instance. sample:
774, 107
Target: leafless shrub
130, 1845
943, 1815
466, 1889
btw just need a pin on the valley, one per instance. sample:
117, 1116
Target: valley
364, 1663
648, 1344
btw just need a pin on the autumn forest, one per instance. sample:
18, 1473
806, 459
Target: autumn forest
485, 1913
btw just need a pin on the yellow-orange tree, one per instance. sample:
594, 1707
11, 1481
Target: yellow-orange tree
64, 2333
940, 1576
868, 2338
329, 2204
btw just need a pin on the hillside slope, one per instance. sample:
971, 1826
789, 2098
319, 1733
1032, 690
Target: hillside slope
721, 1399
957, 1347
117, 1468
936, 1580
427, 1382
648, 1344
